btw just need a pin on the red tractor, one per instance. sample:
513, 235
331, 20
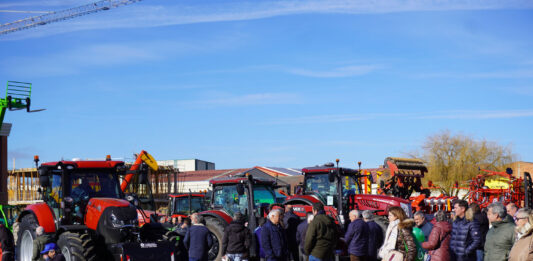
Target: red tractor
184, 204
85, 211
340, 190
252, 197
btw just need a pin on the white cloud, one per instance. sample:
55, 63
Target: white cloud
449, 115
253, 99
145, 15
511, 74
348, 71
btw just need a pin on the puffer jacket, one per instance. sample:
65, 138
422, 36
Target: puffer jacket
500, 240
523, 248
465, 240
438, 243
237, 239
405, 237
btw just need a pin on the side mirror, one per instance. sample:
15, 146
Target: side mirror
240, 189
509, 171
331, 176
44, 181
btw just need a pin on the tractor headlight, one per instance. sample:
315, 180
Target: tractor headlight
117, 223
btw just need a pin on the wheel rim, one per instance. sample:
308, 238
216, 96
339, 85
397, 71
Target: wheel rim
66, 253
26, 246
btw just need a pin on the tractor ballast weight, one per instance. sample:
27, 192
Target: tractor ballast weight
85, 212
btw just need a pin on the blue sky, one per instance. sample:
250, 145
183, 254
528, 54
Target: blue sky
271, 83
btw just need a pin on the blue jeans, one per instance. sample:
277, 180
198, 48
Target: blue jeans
313, 258
235, 257
479, 255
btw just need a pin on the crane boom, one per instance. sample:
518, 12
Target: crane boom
62, 15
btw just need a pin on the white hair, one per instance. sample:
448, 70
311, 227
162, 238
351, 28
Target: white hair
39, 230
310, 218
367, 214
354, 212
274, 212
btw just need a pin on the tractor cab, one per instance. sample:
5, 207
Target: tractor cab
185, 204
323, 183
232, 194
69, 185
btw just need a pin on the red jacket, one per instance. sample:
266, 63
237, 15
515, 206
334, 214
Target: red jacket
438, 243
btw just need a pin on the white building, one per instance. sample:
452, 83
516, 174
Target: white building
188, 164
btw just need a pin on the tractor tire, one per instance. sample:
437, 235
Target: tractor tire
216, 229
25, 237
77, 247
172, 237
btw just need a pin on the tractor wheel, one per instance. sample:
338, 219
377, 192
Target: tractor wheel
77, 247
216, 229
25, 237
172, 237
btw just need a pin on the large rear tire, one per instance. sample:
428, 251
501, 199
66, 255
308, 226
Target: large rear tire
216, 229
77, 247
26, 235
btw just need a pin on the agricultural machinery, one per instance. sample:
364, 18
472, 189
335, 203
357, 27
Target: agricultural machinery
184, 204
84, 209
340, 190
242, 193
491, 186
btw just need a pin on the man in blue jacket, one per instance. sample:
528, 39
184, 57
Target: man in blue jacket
197, 239
357, 237
465, 237
273, 238
300, 235
375, 236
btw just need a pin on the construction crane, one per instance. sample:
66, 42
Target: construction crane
62, 15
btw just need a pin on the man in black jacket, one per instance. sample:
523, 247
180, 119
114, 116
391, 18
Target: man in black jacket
237, 239
290, 223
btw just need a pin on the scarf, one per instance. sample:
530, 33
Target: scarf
390, 239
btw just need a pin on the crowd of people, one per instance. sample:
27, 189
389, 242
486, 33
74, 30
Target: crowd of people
497, 233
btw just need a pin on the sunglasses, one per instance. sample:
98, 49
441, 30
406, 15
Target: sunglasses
522, 218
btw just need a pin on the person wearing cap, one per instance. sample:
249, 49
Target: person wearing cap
50, 253
39, 242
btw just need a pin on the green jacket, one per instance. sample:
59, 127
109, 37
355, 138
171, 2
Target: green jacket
321, 237
500, 240
38, 246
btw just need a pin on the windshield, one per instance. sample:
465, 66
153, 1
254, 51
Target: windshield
181, 205
263, 194
327, 191
89, 184
226, 197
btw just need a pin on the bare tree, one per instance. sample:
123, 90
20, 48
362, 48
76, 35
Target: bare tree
452, 158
